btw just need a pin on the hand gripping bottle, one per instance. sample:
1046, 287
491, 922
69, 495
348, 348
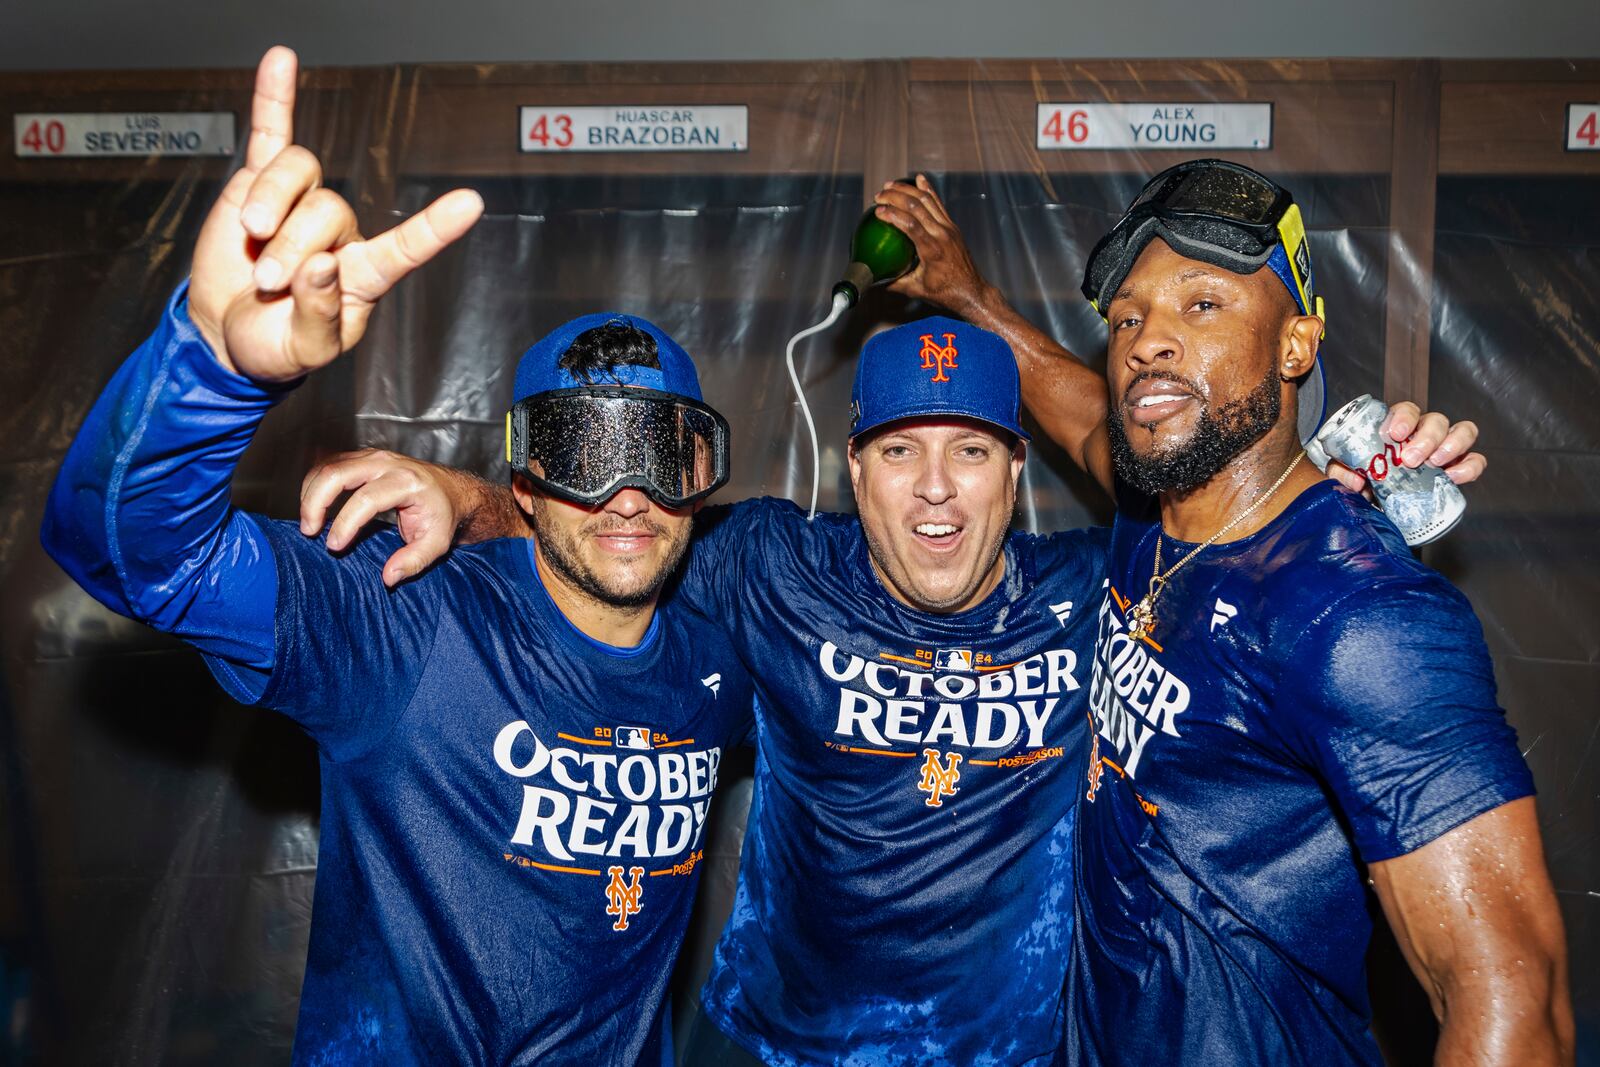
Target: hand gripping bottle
878, 253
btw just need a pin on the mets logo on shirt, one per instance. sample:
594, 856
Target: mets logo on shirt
939, 779
939, 358
955, 716
622, 898
621, 805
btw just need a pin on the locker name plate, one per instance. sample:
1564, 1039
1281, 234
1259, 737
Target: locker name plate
1194, 127
117, 133
635, 128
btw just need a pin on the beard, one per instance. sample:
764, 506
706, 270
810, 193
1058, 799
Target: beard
560, 550
1220, 435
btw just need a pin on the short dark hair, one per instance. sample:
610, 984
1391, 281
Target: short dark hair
594, 355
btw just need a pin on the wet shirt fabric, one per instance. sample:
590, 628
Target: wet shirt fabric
904, 892
512, 813
1311, 699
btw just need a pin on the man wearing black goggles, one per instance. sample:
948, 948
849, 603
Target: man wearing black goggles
519, 746
1225, 215
608, 413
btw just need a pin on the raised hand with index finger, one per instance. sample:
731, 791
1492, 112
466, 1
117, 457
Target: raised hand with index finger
282, 280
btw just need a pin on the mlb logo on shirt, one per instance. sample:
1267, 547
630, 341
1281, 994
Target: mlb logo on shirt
630, 737
953, 659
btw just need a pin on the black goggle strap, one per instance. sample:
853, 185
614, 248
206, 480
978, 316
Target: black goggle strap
1291, 239
1134, 239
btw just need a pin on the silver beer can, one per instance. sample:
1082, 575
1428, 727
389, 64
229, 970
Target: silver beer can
1421, 501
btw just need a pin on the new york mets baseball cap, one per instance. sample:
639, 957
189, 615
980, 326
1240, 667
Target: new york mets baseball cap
538, 370
936, 366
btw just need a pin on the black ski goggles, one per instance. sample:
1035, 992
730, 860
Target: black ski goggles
1216, 212
587, 444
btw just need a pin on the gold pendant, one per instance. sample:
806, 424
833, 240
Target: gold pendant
1142, 619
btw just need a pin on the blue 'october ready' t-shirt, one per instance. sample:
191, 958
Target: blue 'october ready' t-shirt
905, 887
512, 813
1311, 699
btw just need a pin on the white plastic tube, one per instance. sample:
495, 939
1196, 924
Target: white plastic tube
840, 303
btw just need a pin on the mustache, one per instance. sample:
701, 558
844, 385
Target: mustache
1164, 376
615, 524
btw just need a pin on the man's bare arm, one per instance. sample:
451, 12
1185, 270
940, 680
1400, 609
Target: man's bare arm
1476, 917
1067, 398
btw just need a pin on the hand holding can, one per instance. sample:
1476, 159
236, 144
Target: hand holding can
1421, 501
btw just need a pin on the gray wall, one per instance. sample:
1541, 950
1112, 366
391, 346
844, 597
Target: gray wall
107, 34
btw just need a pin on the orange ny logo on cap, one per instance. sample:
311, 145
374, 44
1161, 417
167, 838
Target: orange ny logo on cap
939, 359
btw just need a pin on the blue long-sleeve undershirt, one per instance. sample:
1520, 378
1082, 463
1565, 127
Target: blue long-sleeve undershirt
140, 513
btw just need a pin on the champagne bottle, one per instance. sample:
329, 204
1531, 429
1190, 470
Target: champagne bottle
879, 253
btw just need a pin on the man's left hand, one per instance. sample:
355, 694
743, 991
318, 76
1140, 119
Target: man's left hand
1424, 438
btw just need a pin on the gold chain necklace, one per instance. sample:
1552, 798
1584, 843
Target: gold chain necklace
1142, 619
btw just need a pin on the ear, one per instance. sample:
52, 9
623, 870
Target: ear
1019, 456
522, 490
853, 457
1301, 337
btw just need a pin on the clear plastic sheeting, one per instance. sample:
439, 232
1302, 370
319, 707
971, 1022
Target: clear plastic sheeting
1516, 348
158, 847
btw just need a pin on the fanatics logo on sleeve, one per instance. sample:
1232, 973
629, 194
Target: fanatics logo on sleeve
939, 358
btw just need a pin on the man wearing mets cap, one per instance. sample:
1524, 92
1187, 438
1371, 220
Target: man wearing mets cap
517, 748
921, 707
1290, 713
935, 376
923, 675
888, 387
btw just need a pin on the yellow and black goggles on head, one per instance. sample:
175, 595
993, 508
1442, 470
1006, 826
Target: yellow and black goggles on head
1216, 212
587, 444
